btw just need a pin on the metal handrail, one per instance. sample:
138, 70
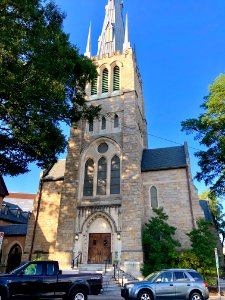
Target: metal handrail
108, 261
77, 259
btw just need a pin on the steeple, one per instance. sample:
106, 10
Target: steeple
112, 36
88, 48
126, 43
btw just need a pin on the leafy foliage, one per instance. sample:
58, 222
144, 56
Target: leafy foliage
158, 243
203, 243
209, 129
42, 84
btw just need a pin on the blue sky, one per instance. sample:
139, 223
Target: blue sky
180, 47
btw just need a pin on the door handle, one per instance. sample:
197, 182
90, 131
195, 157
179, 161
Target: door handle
171, 284
188, 284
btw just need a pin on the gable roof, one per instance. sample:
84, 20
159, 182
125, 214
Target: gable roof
163, 159
3, 189
205, 207
57, 171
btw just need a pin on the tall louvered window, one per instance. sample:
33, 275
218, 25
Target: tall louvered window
103, 123
88, 178
91, 126
115, 175
102, 176
94, 86
116, 121
116, 78
105, 81
154, 197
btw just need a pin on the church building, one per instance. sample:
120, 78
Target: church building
95, 203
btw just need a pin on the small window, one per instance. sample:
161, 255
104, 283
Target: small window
102, 176
88, 178
91, 126
195, 275
116, 78
180, 276
115, 175
165, 277
50, 269
103, 123
33, 269
94, 83
116, 121
103, 148
105, 81
154, 198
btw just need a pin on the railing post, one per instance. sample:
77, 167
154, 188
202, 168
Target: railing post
114, 271
122, 277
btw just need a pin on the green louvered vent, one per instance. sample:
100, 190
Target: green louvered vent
105, 81
94, 87
116, 78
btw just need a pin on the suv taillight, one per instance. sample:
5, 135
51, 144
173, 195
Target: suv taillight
205, 284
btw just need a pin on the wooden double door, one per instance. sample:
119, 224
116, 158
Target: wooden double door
99, 249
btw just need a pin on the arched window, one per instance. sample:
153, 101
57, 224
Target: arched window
116, 121
115, 175
103, 123
116, 78
91, 126
102, 176
105, 81
154, 198
88, 178
94, 86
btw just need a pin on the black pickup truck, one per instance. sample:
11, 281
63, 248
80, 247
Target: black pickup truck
43, 279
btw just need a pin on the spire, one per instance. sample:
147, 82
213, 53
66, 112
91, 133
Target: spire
88, 48
112, 36
126, 43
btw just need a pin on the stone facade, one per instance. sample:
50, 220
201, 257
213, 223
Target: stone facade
66, 222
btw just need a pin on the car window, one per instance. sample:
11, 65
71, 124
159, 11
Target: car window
180, 276
196, 276
50, 269
33, 269
165, 277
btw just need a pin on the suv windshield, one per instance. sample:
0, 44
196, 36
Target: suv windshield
151, 276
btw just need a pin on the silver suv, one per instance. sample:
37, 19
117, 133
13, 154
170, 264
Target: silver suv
168, 284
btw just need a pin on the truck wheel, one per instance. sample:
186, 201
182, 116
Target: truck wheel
78, 295
3, 295
144, 295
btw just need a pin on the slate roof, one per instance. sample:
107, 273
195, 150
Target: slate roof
3, 189
11, 230
205, 207
163, 159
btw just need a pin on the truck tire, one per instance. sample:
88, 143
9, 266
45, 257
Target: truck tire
78, 295
3, 295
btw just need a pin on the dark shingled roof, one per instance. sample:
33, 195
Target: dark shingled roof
3, 189
10, 230
163, 159
205, 207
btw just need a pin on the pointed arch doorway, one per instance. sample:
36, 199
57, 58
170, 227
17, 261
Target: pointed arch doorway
99, 232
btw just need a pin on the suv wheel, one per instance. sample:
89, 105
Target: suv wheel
144, 295
79, 295
195, 296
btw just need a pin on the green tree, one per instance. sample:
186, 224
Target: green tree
209, 130
158, 243
42, 84
203, 243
